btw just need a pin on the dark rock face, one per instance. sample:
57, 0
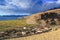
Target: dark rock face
51, 18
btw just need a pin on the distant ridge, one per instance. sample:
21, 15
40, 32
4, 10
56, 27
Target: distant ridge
13, 15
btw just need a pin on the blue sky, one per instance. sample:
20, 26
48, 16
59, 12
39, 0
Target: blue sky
26, 7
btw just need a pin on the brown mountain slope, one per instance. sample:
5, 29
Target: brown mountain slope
44, 17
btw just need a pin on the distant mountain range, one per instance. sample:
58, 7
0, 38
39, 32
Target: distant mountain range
12, 15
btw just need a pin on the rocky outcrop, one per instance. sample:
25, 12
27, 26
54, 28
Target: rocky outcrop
47, 17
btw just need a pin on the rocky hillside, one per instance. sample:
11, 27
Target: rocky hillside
48, 17
35, 24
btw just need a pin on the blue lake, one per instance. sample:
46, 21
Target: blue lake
10, 17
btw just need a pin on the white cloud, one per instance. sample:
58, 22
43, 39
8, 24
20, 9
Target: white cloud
19, 3
13, 5
9, 7
58, 2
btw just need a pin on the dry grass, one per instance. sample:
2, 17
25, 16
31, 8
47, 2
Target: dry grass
53, 35
11, 24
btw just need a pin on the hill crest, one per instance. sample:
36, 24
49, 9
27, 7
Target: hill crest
38, 16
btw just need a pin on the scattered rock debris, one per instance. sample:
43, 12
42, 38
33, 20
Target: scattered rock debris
14, 33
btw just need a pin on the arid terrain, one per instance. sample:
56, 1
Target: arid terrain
39, 26
53, 35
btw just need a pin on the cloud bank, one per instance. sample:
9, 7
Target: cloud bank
27, 7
